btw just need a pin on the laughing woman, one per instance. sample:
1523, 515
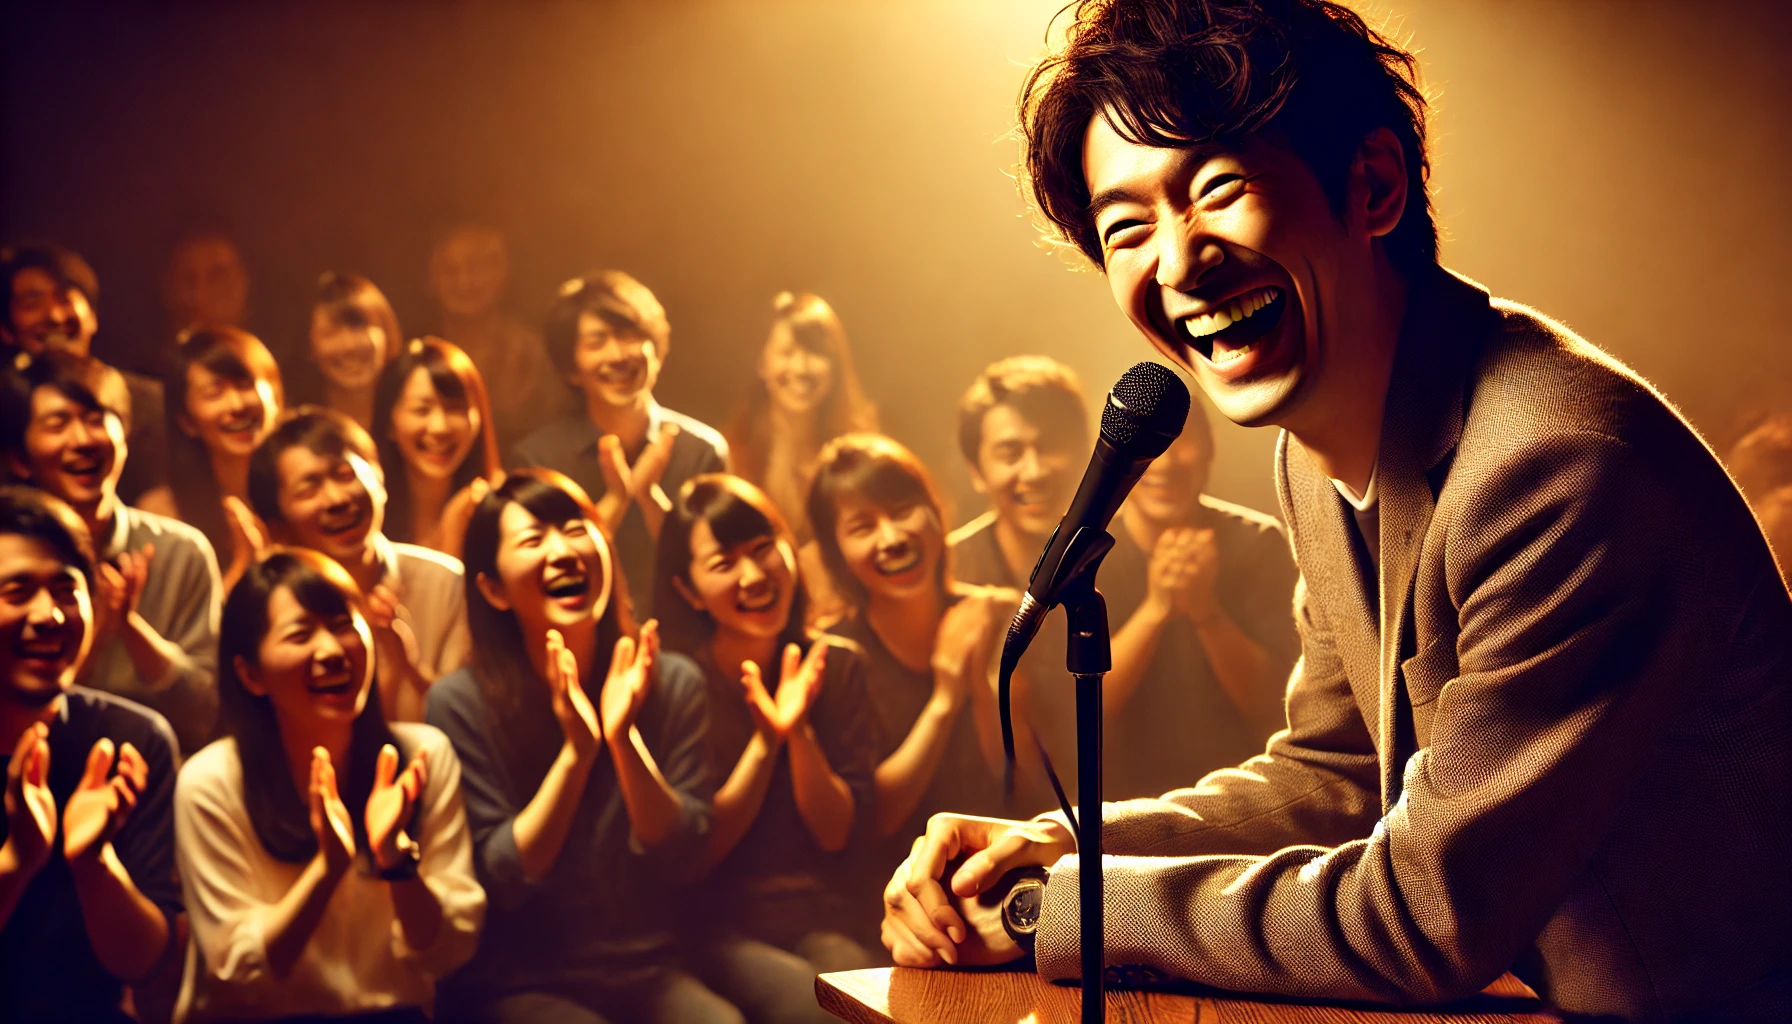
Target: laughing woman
224, 393
353, 335
314, 894
791, 742
928, 640
432, 420
585, 780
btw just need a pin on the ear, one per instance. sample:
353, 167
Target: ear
977, 482
492, 591
1377, 191
186, 425
689, 595
251, 679
20, 470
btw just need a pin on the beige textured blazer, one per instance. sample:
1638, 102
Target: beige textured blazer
1553, 736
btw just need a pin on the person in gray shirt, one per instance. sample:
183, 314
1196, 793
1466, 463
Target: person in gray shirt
156, 593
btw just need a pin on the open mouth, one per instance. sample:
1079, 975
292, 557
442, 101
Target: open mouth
897, 560
800, 385
240, 423
758, 599
624, 373
87, 469
1232, 329
337, 682
43, 655
335, 523
568, 586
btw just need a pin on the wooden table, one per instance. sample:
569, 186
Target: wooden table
905, 996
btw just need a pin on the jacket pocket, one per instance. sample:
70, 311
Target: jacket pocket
1425, 675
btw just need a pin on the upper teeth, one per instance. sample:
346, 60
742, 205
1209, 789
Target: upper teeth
1229, 314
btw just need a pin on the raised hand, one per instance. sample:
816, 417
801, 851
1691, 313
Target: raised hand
119, 589
613, 504
961, 648
650, 468
100, 805
578, 719
390, 803
389, 622
30, 807
248, 538
798, 685
330, 821
631, 673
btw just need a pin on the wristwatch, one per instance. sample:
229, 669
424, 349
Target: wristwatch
1021, 905
410, 853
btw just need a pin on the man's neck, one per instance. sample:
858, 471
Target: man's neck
1344, 433
1020, 550
628, 422
907, 628
99, 517
16, 718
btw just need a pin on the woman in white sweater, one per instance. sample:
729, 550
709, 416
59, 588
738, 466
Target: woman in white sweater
310, 898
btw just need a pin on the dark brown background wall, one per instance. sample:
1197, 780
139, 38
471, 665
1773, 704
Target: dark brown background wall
1621, 164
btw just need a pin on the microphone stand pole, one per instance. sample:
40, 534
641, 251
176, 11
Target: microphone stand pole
1088, 657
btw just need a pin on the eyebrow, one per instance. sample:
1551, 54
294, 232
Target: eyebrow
1196, 154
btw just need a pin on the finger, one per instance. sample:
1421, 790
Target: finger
99, 762
569, 670
21, 753
945, 837
37, 761
793, 659
917, 906
1015, 848
412, 783
132, 764
124, 798
420, 770
477, 490
905, 949
385, 767
650, 643
148, 552
622, 656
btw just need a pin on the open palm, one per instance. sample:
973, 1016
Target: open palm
631, 673
330, 821
30, 807
99, 805
799, 683
572, 706
390, 803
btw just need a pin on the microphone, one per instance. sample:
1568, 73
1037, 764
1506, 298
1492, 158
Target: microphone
1143, 416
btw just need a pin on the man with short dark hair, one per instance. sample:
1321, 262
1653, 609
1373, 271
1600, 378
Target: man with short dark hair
608, 336
1541, 719
52, 299
88, 892
62, 428
315, 481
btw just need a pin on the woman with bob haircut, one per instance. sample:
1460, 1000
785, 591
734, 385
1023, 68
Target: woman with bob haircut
929, 641
586, 778
791, 743
352, 336
224, 394
310, 896
432, 421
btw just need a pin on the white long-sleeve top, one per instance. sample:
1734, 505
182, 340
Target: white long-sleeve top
357, 959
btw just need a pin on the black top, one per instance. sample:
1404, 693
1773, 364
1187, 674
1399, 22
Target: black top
778, 884
962, 782
48, 970
1180, 724
569, 445
602, 915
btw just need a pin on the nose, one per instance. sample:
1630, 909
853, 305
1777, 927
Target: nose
555, 546
1185, 253
1030, 467
750, 573
329, 647
234, 401
437, 423
85, 433
887, 532
44, 610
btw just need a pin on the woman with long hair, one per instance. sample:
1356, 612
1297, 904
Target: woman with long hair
432, 421
224, 392
805, 394
928, 640
791, 744
585, 774
324, 854
353, 334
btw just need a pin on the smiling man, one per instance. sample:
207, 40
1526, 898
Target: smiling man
63, 428
316, 482
1540, 720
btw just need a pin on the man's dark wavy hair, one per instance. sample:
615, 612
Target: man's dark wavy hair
1178, 73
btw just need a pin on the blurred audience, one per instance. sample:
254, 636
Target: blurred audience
792, 749
314, 894
469, 270
316, 483
205, 281
929, 641
63, 428
353, 335
224, 394
88, 896
585, 753
608, 336
1762, 464
1200, 592
53, 306
432, 421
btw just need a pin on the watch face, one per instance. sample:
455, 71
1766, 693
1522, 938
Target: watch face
1023, 905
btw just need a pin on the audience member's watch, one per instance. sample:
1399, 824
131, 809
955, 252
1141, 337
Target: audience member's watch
410, 852
1021, 905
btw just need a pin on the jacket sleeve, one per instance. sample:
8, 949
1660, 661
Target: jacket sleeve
1566, 667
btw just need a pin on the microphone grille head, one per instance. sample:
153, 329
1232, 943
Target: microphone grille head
1146, 410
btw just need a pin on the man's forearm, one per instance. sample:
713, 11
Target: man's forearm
1243, 669
1133, 648
128, 932
159, 662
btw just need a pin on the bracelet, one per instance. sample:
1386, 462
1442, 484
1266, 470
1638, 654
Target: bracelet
410, 855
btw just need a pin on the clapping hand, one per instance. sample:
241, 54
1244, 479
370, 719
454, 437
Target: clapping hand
30, 807
798, 685
390, 803
330, 821
99, 806
578, 719
1183, 570
625, 689
120, 588
961, 648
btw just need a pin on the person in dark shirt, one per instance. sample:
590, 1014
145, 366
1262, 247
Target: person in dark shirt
588, 807
1024, 429
1204, 591
928, 641
432, 421
792, 743
608, 336
52, 305
88, 893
